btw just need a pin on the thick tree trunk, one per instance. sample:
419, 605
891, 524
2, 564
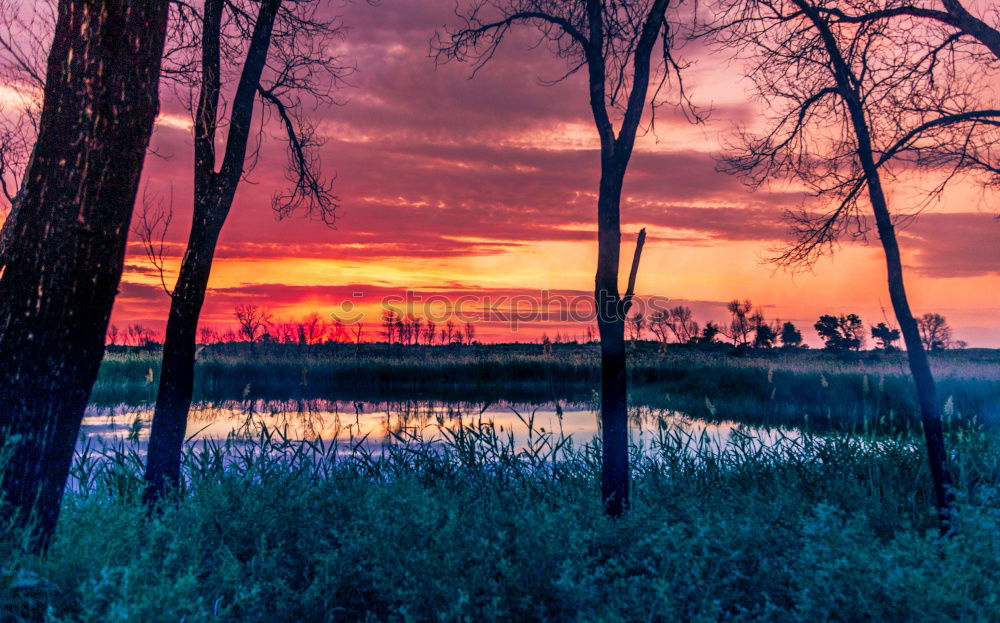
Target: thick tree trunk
65, 260
611, 326
176, 386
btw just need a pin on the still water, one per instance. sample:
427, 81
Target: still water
372, 423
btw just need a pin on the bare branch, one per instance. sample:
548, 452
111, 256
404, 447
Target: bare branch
150, 224
309, 192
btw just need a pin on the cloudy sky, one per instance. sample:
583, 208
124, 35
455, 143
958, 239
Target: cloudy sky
451, 186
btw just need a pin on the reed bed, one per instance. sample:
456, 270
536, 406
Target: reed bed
462, 524
801, 388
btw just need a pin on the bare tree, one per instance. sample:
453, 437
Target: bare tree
26, 29
849, 100
470, 333
139, 336
284, 48
659, 326
430, 332
208, 335
113, 335
450, 333
418, 330
682, 325
253, 321
613, 42
389, 322
741, 324
311, 328
636, 326
65, 259
339, 331
402, 330
359, 331
935, 334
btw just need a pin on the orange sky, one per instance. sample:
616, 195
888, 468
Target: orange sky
486, 187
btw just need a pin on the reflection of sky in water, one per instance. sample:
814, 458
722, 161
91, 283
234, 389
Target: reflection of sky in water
374, 421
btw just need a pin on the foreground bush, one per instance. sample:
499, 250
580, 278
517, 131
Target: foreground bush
472, 529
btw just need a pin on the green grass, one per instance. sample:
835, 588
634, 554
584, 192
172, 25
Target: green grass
801, 388
814, 528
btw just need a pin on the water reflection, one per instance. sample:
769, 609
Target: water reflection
372, 423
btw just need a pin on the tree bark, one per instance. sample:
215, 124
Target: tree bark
176, 387
930, 413
214, 193
66, 254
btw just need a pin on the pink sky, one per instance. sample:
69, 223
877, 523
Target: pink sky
486, 186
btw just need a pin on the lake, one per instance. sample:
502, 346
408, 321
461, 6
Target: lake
374, 423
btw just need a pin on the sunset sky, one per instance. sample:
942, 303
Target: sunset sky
450, 186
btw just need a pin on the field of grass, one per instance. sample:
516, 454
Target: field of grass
814, 528
800, 388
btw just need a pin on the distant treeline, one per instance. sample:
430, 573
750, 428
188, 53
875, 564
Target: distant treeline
746, 329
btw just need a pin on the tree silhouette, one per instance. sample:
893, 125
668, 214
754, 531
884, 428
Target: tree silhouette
886, 336
790, 336
284, 49
636, 326
681, 324
709, 333
841, 333
613, 42
24, 40
935, 334
952, 13
849, 101
659, 325
253, 321
430, 332
389, 322
741, 325
64, 261
764, 334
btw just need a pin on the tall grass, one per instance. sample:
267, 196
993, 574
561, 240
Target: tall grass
462, 524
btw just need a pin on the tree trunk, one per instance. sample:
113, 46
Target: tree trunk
176, 387
214, 193
611, 325
65, 260
930, 414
